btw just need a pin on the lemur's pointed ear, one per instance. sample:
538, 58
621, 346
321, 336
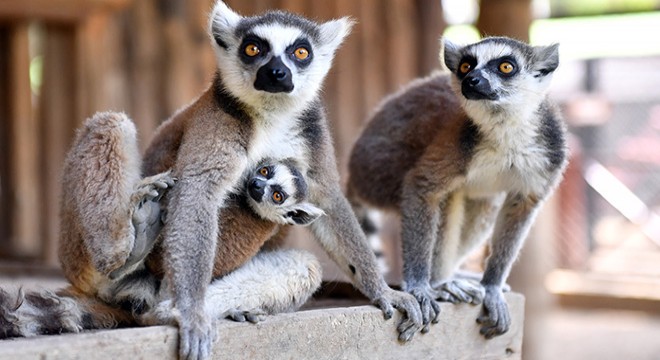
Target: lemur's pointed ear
334, 32
222, 22
450, 54
546, 59
303, 214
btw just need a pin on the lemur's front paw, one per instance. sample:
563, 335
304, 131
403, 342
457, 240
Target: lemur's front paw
196, 335
426, 296
461, 291
406, 304
254, 316
495, 319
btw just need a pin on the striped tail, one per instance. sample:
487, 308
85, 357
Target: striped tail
46, 313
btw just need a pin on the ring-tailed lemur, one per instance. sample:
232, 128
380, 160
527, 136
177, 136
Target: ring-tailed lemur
461, 156
264, 102
102, 155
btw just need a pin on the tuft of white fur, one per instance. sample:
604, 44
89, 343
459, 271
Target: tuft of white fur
271, 282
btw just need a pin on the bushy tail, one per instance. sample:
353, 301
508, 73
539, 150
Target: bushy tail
45, 312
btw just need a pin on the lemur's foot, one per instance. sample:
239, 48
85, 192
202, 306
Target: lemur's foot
426, 296
461, 291
476, 276
153, 188
495, 319
254, 316
146, 219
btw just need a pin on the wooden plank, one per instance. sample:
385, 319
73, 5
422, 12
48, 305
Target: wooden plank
403, 43
596, 290
430, 26
505, 17
24, 149
337, 333
56, 10
59, 117
5, 167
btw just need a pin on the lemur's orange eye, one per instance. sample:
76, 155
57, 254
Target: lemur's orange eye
263, 171
465, 68
252, 50
301, 53
277, 197
506, 67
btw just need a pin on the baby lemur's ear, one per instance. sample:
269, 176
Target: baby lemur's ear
334, 32
450, 54
545, 59
303, 214
222, 22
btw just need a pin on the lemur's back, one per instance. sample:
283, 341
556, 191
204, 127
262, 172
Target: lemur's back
398, 134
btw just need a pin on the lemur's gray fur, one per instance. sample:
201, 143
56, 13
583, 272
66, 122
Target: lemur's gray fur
264, 102
102, 155
462, 156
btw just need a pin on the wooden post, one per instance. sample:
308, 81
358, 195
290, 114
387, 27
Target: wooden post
58, 118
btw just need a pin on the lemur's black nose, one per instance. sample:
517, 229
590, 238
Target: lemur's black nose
256, 188
278, 74
274, 77
473, 80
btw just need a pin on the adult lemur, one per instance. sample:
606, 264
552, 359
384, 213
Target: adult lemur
264, 102
110, 222
461, 154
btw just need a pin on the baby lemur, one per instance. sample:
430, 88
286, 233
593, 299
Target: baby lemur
263, 102
460, 156
102, 155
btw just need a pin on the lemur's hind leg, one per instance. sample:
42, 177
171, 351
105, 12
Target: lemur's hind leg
471, 228
271, 282
104, 197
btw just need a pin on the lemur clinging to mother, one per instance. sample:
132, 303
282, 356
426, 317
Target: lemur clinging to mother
263, 102
460, 156
110, 222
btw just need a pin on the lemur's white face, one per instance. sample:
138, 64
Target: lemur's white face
278, 192
500, 74
274, 61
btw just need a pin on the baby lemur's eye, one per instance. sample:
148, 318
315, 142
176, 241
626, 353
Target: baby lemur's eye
465, 68
264, 171
277, 197
301, 53
252, 50
506, 67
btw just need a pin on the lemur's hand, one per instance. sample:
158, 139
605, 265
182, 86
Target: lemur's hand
196, 335
426, 296
406, 304
495, 319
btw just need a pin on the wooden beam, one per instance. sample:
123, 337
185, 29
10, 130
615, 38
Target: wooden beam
337, 333
5, 130
24, 149
59, 116
56, 10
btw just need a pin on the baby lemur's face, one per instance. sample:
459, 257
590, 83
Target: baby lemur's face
277, 55
277, 192
501, 70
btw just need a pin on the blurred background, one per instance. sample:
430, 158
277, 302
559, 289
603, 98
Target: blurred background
591, 267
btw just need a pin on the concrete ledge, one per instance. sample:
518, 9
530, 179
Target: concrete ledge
337, 333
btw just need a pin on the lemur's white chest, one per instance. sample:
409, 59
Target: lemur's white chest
508, 159
275, 137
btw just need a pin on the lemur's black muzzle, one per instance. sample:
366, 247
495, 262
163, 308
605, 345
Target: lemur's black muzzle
476, 87
256, 188
274, 77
